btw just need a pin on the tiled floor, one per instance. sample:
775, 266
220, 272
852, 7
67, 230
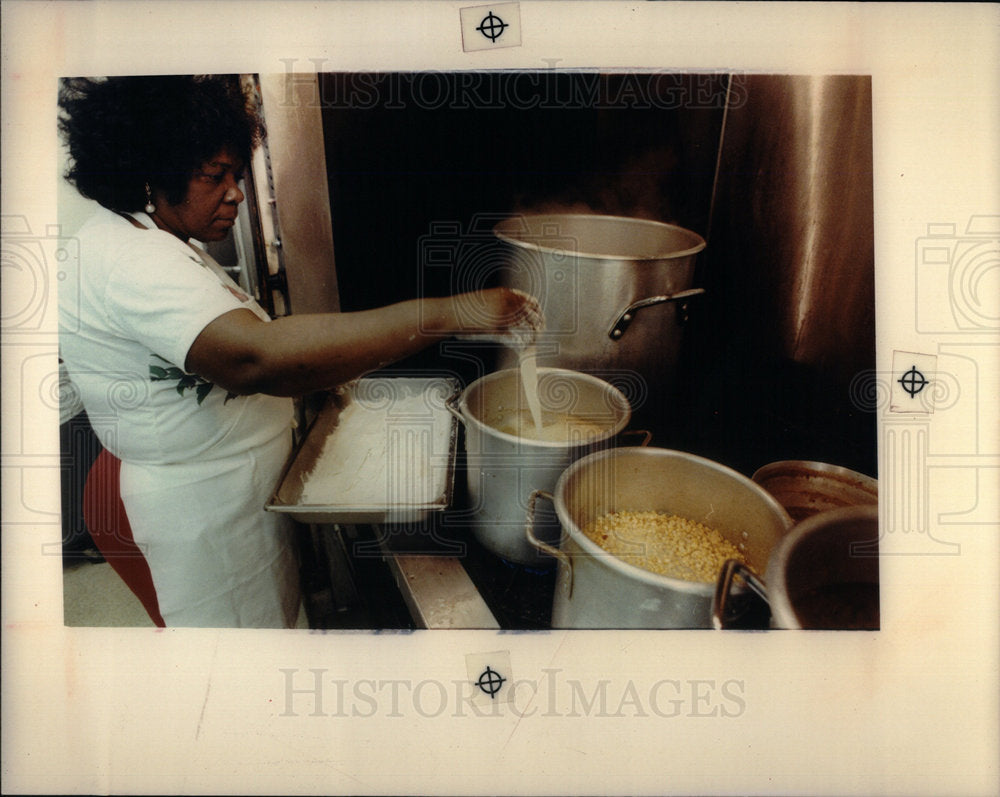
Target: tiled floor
94, 596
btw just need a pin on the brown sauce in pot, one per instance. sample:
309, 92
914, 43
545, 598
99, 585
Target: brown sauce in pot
849, 606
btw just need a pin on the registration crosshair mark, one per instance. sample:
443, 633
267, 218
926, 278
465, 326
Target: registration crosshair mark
492, 27
490, 682
913, 381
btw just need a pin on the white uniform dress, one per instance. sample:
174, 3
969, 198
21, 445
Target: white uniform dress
197, 463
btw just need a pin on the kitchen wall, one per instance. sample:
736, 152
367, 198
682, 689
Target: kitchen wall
790, 267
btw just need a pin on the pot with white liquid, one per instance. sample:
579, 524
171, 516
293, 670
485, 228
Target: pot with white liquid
508, 455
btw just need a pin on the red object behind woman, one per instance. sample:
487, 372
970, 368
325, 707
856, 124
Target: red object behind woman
104, 514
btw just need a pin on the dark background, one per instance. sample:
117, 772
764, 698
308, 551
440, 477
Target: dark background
411, 154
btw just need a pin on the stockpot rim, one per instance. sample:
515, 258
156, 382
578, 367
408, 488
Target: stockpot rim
853, 478
470, 418
612, 562
509, 236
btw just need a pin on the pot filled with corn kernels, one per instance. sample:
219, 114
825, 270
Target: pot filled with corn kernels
645, 533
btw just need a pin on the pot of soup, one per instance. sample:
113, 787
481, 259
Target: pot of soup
645, 532
523, 427
825, 573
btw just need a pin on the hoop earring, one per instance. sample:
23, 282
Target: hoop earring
150, 207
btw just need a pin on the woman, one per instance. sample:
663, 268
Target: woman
183, 376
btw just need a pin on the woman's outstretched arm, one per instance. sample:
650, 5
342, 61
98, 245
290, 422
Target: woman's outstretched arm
294, 355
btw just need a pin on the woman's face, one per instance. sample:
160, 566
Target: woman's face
208, 210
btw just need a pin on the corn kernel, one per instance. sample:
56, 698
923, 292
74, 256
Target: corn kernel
669, 545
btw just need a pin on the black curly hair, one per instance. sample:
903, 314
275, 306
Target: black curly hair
125, 132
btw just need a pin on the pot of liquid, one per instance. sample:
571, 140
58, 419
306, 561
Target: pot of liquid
523, 428
824, 575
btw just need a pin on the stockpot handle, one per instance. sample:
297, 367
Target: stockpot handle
647, 436
544, 547
449, 404
724, 585
628, 314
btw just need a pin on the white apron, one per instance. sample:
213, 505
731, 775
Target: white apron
217, 558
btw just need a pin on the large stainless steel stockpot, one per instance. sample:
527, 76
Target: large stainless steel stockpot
612, 289
503, 468
595, 589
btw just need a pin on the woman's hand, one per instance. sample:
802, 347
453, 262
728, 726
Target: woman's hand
502, 315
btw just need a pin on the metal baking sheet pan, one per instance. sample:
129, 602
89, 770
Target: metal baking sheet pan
382, 450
